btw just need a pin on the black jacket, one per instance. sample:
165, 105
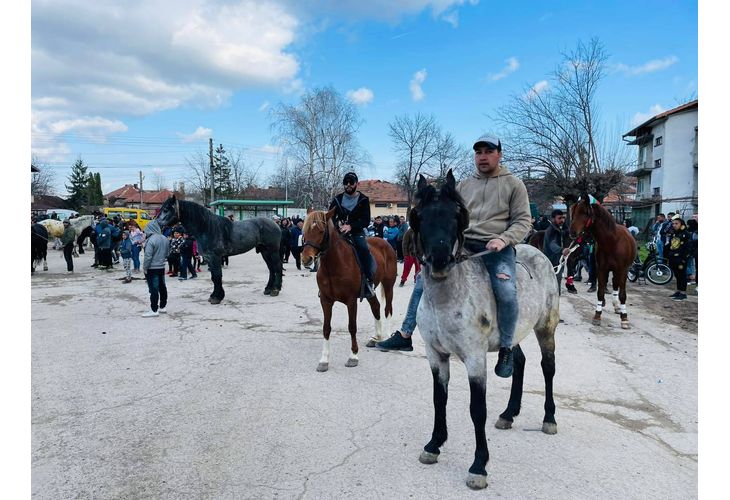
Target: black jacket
358, 218
680, 246
555, 241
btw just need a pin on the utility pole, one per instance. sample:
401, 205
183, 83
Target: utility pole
141, 201
212, 188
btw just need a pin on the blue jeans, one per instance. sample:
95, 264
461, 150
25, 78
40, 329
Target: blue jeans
505, 290
157, 287
135, 256
409, 322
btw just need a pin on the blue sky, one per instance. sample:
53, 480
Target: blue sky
127, 88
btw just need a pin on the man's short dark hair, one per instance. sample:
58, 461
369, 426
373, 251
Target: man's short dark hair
557, 212
662, 215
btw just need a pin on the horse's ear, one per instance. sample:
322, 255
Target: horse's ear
421, 182
450, 180
415, 222
330, 214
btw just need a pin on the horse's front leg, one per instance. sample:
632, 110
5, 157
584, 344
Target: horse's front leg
324, 361
622, 299
506, 419
440, 370
476, 368
352, 327
216, 276
601, 294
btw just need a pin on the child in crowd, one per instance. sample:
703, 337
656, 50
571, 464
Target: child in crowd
125, 250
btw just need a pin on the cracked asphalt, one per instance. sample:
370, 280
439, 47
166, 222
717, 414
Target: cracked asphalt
224, 401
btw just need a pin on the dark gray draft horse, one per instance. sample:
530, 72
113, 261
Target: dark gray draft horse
218, 236
458, 315
38, 247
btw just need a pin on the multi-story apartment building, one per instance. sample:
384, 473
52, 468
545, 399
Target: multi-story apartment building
666, 169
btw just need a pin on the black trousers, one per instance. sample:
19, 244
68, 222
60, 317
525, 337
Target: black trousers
68, 255
157, 287
679, 268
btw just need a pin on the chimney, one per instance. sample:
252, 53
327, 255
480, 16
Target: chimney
136, 187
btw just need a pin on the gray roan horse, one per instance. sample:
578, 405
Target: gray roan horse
218, 236
457, 315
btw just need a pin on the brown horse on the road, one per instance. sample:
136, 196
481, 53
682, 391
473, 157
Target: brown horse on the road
339, 278
615, 252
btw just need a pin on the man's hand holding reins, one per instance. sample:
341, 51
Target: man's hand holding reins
496, 245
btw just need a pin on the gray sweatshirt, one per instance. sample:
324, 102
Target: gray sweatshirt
156, 247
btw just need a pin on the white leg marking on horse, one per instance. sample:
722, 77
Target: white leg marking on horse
325, 352
599, 307
379, 329
623, 309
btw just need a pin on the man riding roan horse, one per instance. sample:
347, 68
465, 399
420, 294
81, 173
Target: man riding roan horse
352, 217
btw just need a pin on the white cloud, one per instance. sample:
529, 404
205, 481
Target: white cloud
415, 85
382, 10
640, 117
267, 149
200, 134
264, 106
361, 96
101, 58
648, 67
537, 89
512, 65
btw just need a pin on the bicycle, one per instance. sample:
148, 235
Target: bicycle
654, 268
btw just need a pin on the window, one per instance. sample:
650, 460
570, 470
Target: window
658, 163
402, 205
658, 141
656, 192
642, 155
381, 205
640, 186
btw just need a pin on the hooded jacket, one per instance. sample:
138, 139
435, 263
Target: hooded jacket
498, 207
156, 247
104, 236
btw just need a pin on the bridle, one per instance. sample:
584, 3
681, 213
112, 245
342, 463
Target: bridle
323, 246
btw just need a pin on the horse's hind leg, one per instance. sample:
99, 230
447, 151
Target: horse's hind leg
515, 397
269, 290
546, 339
440, 370
622, 299
476, 367
352, 327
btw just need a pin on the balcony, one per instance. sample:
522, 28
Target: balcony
642, 169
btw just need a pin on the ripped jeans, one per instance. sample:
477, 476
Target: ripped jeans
505, 290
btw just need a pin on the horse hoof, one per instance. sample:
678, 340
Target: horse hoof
274, 293
428, 458
323, 367
267, 291
503, 424
597, 322
371, 343
476, 481
549, 428
214, 300
625, 325
351, 363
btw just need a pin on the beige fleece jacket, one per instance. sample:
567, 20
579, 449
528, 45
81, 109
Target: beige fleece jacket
498, 207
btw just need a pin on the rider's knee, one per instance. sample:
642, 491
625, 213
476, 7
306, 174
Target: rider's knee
503, 276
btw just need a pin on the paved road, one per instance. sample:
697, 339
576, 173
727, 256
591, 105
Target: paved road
224, 401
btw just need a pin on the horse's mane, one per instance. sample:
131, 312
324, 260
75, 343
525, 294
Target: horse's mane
200, 217
315, 216
598, 212
429, 194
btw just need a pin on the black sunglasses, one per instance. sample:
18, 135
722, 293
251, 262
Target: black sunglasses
349, 183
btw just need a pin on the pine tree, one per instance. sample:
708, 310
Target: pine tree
98, 195
222, 173
77, 187
90, 189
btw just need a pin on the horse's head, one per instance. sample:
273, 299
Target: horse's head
581, 215
169, 212
316, 235
438, 221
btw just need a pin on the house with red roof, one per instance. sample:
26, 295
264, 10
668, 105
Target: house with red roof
129, 196
386, 198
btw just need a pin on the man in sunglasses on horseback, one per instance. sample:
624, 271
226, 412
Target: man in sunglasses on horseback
352, 217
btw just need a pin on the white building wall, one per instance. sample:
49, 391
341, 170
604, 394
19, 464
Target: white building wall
675, 178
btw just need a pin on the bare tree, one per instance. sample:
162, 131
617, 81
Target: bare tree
319, 135
555, 134
415, 142
242, 175
450, 156
158, 180
41, 182
199, 176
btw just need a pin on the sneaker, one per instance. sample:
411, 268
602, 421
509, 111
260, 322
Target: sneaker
193, 276
396, 342
571, 288
181, 279
681, 296
162, 310
675, 294
505, 363
150, 314
592, 288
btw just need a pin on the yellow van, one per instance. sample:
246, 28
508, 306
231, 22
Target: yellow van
141, 217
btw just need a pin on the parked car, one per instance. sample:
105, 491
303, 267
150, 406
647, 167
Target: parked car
141, 217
